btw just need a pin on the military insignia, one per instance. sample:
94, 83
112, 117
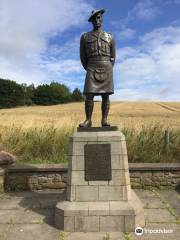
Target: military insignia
106, 37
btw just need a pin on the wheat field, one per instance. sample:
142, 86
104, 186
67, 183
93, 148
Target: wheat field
122, 114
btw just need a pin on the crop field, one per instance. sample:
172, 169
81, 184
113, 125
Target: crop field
124, 114
40, 134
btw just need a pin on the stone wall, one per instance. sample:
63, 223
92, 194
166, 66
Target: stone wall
160, 175
38, 177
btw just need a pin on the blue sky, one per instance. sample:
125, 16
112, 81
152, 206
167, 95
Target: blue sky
39, 43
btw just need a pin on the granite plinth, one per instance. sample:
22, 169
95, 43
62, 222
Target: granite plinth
115, 188
98, 205
112, 216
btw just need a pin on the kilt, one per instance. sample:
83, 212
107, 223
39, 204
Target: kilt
99, 78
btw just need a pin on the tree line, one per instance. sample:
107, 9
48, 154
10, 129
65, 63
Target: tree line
13, 94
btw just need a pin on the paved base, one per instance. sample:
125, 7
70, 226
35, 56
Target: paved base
29, 216
97, 129
122, 216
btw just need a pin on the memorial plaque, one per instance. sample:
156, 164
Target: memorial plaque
97, 162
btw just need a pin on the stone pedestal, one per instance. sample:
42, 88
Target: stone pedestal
106, 204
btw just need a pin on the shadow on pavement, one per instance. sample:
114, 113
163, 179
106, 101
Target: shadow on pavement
37, 206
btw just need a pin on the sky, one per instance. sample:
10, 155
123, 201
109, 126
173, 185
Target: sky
39, 43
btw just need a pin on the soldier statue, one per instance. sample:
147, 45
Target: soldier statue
97, 54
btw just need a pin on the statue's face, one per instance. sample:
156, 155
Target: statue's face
97, 21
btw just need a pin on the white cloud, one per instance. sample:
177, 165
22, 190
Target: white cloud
145, 10
161, 36
126, 34
150, 70
25, 28
172, 2
65, 67
26, 24
69, 48
145, 95
27, 72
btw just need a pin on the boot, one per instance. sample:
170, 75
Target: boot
105, 110
89, 104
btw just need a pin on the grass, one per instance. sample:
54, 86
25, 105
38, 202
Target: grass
49, 144
128, 236
41, 134
150, 145
36, 145
63, 235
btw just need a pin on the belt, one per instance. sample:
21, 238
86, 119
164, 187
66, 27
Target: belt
99, 58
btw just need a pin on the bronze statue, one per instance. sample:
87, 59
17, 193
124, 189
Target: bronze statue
97, 53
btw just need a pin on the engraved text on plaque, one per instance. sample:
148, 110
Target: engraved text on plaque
97, 162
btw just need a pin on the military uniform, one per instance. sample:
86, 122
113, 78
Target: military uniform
97, 53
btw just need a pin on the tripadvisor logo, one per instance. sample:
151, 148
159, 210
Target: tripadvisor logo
138, 231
